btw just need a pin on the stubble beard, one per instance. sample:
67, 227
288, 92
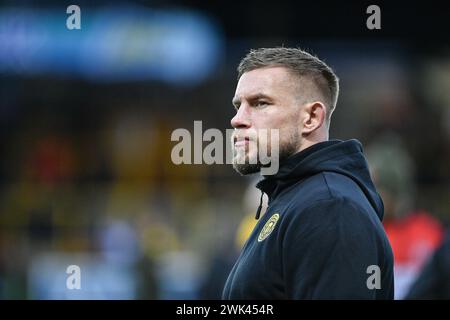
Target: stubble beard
286, 149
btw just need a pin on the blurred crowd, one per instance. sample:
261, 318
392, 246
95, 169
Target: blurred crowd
86, 177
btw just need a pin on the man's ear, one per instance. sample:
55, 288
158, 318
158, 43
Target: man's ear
314, 114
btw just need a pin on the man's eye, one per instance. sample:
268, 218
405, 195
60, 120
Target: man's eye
261, 103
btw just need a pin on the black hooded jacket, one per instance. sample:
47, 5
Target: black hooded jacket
321, 236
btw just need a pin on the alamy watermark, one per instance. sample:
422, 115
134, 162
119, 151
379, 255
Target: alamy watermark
374, 20
74, 20
374, 280
73, 281
253, 147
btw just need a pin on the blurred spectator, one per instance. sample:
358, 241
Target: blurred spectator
413, 233
223, 261
434, 280
216, 275
179, 275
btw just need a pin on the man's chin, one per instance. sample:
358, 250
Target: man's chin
245, 164
246, 168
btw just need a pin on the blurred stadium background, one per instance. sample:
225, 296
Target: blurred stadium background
86, 117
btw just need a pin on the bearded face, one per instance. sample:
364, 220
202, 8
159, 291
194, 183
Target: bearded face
259, 148
265, 101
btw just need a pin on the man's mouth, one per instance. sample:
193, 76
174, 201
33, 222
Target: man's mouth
241, 142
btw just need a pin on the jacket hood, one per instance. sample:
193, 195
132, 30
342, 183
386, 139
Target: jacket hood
342, 157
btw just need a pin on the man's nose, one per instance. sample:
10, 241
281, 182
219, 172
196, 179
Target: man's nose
241, 119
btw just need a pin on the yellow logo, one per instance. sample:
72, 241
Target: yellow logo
268, 227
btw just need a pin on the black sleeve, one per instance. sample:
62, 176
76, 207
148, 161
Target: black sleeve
326, 252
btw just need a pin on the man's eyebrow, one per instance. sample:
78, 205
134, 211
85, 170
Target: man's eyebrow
256, 96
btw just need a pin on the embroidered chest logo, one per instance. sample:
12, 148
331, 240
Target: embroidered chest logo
268, 227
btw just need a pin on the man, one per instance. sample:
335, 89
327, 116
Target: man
321, 236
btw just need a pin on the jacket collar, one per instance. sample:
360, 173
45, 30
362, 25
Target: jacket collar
274, 184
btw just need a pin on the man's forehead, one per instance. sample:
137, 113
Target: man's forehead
264, 81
